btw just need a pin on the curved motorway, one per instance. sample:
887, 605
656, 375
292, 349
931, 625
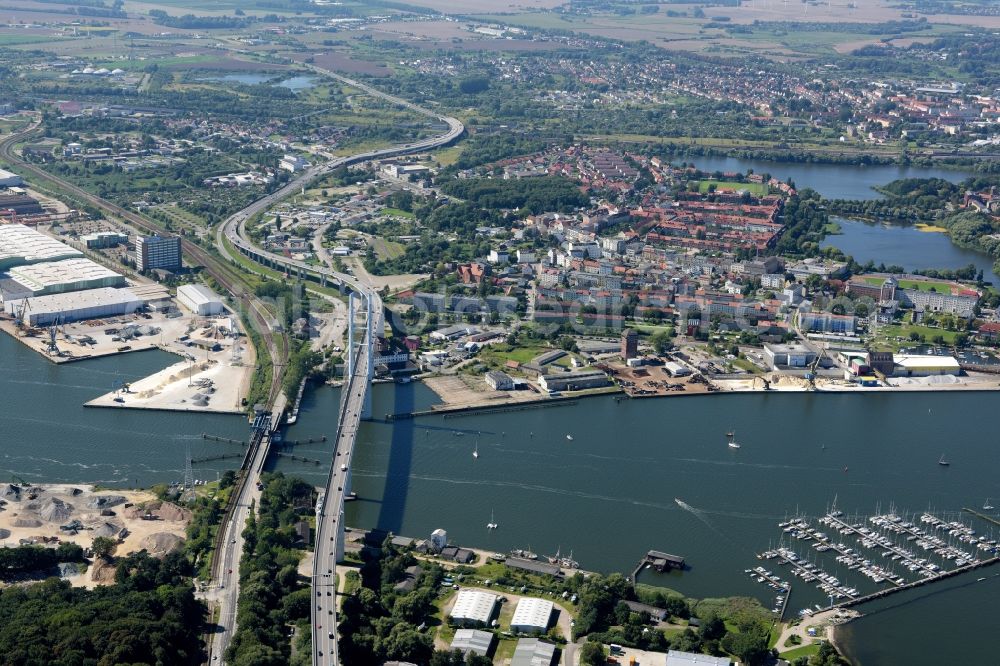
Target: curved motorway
329, 523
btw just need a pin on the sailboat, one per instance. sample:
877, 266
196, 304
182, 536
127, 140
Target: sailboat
733, 444
987, 506
942, 461
492, 525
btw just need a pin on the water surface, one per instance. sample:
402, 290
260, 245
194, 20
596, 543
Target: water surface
905, 246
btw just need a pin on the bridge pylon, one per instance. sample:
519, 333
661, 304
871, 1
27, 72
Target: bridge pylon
366, 409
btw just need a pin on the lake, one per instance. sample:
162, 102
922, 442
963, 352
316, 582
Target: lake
295, 83
833, 181
905, 246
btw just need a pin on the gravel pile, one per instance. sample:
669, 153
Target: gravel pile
100, 502
161, 544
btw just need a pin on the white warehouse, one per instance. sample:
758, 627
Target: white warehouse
200, 300
21, 245
64, 308
58, 277
532, 615
474, 608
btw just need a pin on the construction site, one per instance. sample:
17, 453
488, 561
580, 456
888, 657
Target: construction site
52, 514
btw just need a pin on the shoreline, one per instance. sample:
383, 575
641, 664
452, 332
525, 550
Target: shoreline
620, 395
838, 644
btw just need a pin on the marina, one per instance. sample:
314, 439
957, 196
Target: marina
883, 548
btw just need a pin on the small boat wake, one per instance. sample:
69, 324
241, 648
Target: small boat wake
699, 514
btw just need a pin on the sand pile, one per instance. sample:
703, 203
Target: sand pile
101, 502
107, 529
162, 510
11, 492
102, 571
4, 533
161, 544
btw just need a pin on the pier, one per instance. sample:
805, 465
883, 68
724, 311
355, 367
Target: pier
659, 561
297, 458
475, 410
981, 516
297, 442
221, 456
917, 583
225, 440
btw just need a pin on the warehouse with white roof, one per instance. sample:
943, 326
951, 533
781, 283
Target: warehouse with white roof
21, 245
473, 608
532, 615
200, 300
74, 306
59, 277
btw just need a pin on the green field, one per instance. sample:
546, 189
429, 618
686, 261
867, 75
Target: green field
519, 354
756, 189
919, 285
396, 212
803, 651
904, 330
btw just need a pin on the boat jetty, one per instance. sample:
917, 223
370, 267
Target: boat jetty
660, 561
889, 550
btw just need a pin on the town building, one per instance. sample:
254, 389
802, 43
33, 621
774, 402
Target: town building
499, 381
439, 539
533, 652
919, 365
473, 608
152, 252
200, 300
790, 356
293, 163
573, 381
104, 239
630, 343
474, 641
532, 615
678, 658
825, 322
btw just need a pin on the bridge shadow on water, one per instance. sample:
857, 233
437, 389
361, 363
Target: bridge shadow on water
397, 477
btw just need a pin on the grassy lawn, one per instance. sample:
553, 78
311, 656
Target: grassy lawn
889, 333
832, 228
352, 582
919, 285
649, 329
386, 249
396, 212
504, 651
803, 651
450, 155
744, 364
519, 354
757, 189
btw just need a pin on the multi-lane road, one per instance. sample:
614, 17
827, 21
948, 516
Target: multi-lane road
329, 528
246, 495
